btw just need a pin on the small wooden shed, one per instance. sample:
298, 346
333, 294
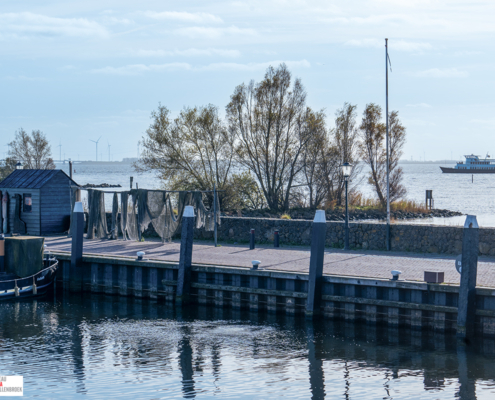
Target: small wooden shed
44, 199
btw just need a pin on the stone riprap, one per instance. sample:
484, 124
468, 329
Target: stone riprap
366, 236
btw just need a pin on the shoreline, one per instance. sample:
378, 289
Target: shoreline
339, 215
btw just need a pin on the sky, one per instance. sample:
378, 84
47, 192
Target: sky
81, 70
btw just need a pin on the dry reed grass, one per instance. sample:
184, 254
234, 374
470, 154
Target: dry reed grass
358, 202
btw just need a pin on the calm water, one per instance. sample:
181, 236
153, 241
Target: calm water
450, 191
109, 347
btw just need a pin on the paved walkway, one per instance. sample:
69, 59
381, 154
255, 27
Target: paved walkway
370, 264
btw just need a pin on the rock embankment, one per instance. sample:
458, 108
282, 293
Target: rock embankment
339, 215
101, 185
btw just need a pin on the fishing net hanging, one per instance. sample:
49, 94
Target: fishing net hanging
140, 207
132, 222
205, 218
91, 216
114, 233
97, 220
124, 197
156, 202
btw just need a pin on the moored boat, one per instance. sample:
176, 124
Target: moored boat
15, 288
472, 165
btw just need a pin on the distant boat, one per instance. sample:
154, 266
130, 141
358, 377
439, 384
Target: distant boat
473, 165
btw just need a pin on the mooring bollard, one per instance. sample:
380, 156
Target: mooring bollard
2, 253
182, 295
251, 240
467, 290
76, 271
318, 236
276, 239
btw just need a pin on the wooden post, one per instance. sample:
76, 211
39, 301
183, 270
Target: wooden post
318, 236
251, 240
2, 253
185, 261
76, 270
215, 227
467, 290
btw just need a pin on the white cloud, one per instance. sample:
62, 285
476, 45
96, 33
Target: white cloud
467, 53
67, 68
213, 33
189, 53
422, 105
138, 69
254, 66
27, 24
418, 122
24, 78
441, 73
490, 122
183, 16
400, 45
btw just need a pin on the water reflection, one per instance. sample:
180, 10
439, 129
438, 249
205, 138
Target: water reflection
99, 346
186, 364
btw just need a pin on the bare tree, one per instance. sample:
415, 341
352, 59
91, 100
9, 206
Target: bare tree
374, 154
346, 141
6, 167
193, 152
270, 120
319, 161
397, 139
33, 151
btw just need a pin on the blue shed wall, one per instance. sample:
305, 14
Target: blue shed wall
55, 205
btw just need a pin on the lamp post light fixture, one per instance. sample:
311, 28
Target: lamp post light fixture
346, 172
18, 165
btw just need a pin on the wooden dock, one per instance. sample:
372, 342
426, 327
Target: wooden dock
355, 285
355, 263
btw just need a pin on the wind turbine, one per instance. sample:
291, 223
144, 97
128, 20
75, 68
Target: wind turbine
96, 142
109, 145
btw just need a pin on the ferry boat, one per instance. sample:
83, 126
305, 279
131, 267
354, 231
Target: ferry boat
473, 165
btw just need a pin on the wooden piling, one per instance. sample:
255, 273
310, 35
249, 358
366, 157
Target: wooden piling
318, 236
182, 295
467, 290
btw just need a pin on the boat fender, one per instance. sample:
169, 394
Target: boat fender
35, 289
16, 290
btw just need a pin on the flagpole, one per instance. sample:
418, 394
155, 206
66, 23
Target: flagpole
386, 140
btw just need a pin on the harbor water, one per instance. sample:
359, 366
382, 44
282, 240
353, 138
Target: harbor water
104, 347
457, 192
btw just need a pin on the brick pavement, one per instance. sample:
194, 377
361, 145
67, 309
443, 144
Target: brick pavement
359, 263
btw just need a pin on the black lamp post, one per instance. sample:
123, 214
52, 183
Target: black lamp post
346, 171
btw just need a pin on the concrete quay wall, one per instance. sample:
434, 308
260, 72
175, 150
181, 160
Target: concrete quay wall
415, 305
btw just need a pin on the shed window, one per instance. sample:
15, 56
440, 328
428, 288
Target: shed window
27, 203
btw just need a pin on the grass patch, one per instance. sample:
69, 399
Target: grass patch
285, 216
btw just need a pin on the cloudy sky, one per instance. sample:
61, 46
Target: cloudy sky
85, 69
